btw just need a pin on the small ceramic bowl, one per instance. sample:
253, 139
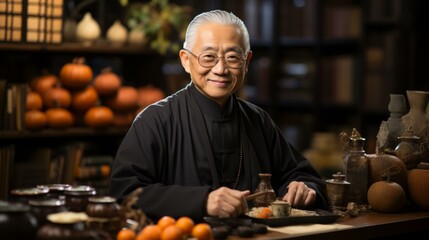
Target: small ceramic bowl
280, 209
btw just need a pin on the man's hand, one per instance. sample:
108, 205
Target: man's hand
299, 195
226, 203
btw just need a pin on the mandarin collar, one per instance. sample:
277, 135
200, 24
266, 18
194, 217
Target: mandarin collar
210, 107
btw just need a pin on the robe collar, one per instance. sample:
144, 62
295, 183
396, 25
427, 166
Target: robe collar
210, 107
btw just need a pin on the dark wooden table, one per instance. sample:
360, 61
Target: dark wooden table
368, 225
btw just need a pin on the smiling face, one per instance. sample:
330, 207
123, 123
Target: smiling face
220, 81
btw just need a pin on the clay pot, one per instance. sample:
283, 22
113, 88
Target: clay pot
416, 117
408, 150
77, 197
397, 107
17, 221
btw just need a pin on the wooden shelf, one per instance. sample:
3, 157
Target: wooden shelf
68, 132
101, 47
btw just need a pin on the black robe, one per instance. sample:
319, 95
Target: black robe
169, 151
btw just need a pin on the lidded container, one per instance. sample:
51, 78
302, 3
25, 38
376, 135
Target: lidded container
337, 190
41, 208
103, 213
23, 195
356, 166
56, 190
265, 185
17, 221
77, 197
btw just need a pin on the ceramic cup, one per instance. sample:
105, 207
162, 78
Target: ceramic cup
280, 208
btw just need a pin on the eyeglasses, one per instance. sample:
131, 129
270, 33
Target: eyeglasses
208, 60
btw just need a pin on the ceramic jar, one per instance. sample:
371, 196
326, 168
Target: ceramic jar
397, 107
409, 149
24, 195
41, 208
356, 166
117, 33
56, 190
416, 117
17, 221
337, 190
137, 37
65, 226
264, 185
103, 213
77, 197
87, 30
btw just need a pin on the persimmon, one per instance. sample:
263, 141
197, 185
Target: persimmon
150, 232
171, 232
202, 231
185, 224
34, 101
165, 222
265, 213
126, 234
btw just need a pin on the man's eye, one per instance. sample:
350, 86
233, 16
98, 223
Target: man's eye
208, 57
233, 58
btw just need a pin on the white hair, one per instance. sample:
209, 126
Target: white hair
216, 16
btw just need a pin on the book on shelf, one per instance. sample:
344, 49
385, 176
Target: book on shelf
296, 82
298, 19
7, 154
258, 17
382, 10
342, 21
258, 80
338, 80
92, 172
3, 99
96, 160
381, 63
14, 114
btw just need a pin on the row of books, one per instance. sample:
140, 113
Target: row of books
298, 19
12, 105
68, 164
338, 82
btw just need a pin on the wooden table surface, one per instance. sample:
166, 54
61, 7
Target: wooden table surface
367, 225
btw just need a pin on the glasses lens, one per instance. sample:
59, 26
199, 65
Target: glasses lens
210, 60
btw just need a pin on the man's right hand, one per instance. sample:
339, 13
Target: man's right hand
226, 203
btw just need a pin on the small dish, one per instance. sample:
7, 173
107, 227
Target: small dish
280, 209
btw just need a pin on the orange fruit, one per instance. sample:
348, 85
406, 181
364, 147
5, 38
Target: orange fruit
202, 231
265, 213
126, 234
150, 232
185, 224
172, 232
165, 222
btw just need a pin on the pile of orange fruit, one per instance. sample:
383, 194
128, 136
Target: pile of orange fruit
169, 228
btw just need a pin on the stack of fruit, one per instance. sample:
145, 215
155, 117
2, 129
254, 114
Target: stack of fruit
168, 228
75, 98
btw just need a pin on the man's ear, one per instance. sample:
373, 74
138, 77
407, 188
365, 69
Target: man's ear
249, 57
184, 59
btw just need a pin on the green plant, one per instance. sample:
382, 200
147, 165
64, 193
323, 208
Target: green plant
163, 23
